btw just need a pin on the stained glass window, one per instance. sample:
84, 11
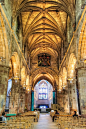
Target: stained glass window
43, 93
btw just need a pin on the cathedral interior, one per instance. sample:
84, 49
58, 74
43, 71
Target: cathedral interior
43, 55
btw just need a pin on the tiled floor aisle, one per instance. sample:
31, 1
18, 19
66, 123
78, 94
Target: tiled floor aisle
45, 122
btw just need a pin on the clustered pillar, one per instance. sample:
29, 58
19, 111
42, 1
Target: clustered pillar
82, 90
17, 99
4, 71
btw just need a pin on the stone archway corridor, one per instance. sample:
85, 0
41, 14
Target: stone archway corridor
45, 122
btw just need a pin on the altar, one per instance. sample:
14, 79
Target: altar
43, 109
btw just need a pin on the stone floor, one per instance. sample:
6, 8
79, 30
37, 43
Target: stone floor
45, 122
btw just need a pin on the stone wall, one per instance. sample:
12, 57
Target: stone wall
4, 71
72, 87
82, 90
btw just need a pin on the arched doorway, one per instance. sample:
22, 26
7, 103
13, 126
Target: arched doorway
43, 95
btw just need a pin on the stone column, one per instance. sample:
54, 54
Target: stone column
14, 99
72, 96
21, 100
4, 72
28, 100
69, 98
82, 90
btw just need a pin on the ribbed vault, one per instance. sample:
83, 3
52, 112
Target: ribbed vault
44, 28
44, 22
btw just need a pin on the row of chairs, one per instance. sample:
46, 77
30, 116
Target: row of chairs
37, 113
70, 122
18, 123
24, 121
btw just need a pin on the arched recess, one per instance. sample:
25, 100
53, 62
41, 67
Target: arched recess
14, 65
23, 76
82, 43
64, 77
60, 83
71, 66
4, 52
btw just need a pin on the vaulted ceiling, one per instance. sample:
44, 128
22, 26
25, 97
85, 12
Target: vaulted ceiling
44, 23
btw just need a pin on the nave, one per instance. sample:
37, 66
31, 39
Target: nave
45, 122
42, 62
